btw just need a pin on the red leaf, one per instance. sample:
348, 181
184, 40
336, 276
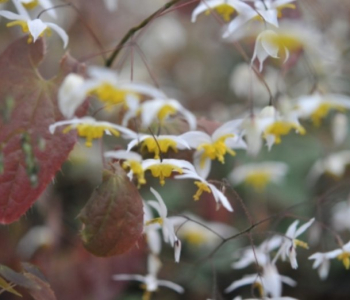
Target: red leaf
29, 154
113, 216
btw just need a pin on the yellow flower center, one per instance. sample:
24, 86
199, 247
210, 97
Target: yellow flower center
3, 1
25, 29
345, 258
225, 10
280, 128
157, 146
216, 150
300, 244
283, 6
163, 170
323, 110
159, 221
194, 237
280, 40
202, 187
136, 168
91, 132
166, 111
109, 95
31, 4
260, 288
258, 180
146, 294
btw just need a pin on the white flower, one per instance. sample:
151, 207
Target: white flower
158, 144
164, 168
71, 94
152, 234
91, 129
222, 141
269, 283
194, 231
316, 106
341, 216
166, 224
46, 4
205, 186
321, 263
258, 175
36, 28
290, 242
259, 255
225, 8
267, 11
161, 109
270, 124
339, 128
322, 259
151, 281
334, 164
133, 162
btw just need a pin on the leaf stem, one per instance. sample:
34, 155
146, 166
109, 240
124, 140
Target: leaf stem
133, 30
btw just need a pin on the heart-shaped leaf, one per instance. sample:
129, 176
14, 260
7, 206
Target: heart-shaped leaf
113, 216
29, 155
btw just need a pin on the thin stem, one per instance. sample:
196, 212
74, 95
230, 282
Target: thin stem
133, 30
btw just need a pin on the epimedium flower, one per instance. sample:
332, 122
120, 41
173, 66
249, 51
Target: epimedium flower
322, 259
271, 125
132, 162
164, 168
225, 8
35, 28
208, 148
91, 129
166, 223
275, 44
31, 4
267, 11
150, 281
158, 144
290, 242
205, 186
317, 106
259, 255
161, 109
334, 164
269, 283
151, 231
259, 175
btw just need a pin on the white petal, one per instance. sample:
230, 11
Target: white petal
12, 16
36, 28
249, 279
171, 285
163, 209
303, 227
122, 154
196, 138
63, 35
129, 277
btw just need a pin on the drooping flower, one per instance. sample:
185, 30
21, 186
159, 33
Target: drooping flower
165, 168
267, 11
153, 237
205, 186
290, 242
225, 8
334, 164
150, 281
259, 175
35, 28
208, 148
316, 106
133, 163
166, 223
259, 255
161, 109
91, 129
158, 144
271, 125
268, 284
322, 259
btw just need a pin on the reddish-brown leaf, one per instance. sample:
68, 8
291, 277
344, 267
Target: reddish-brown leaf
113, 216
29, 154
